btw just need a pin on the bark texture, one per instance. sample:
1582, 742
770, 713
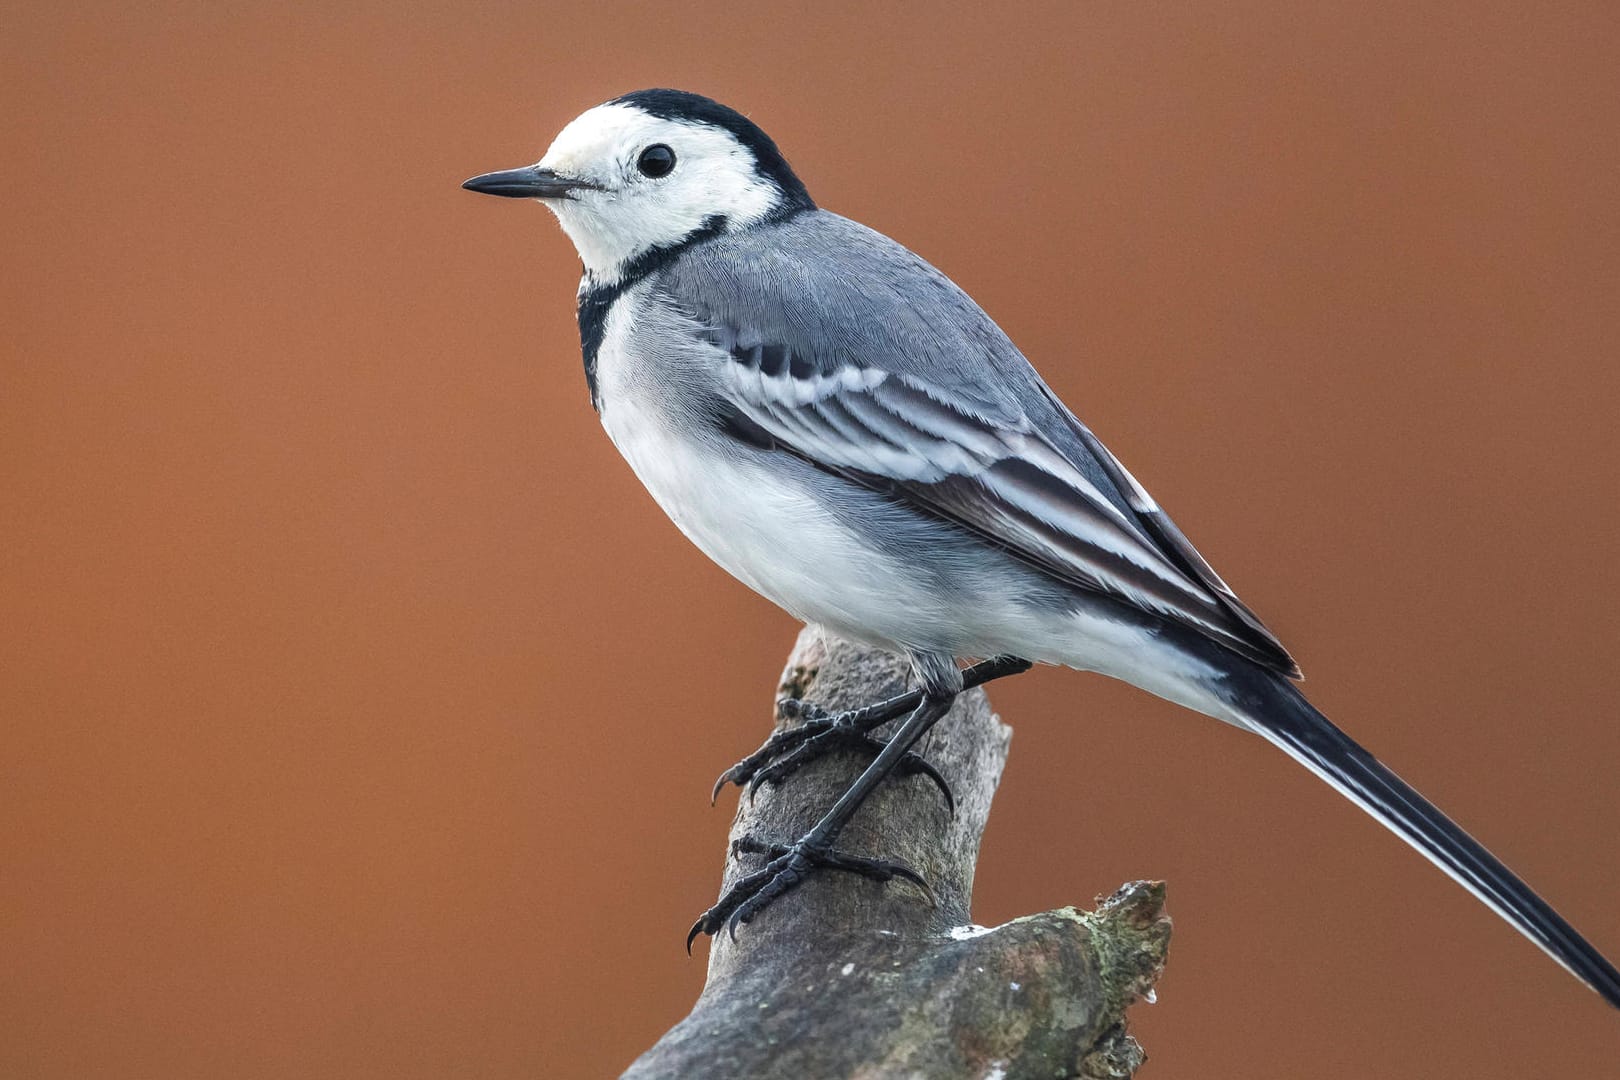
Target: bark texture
847, 977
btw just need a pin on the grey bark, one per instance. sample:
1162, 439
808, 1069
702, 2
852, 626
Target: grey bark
850, 978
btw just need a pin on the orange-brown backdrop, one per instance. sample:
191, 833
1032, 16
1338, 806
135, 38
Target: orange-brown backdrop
359, 709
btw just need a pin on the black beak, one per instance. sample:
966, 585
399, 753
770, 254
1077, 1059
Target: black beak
531, 182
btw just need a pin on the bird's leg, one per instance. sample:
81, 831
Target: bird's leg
822, 733
789, 865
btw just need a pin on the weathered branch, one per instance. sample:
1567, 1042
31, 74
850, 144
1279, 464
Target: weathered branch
847, 977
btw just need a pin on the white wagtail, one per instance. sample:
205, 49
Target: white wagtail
833, 421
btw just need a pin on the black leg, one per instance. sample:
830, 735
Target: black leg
785, 752
751, 895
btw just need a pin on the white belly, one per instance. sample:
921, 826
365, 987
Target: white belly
771, 536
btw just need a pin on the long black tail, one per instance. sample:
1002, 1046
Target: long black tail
1275, 709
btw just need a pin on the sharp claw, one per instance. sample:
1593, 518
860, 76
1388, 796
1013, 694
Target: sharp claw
777, 748
916, 763
691, 935
755, 782
906, 872
881, 870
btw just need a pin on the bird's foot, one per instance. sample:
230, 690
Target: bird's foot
823, 733
786, 868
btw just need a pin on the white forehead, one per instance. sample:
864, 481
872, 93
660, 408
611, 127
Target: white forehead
608, 137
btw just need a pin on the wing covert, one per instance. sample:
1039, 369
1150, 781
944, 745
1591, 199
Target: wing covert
994, 475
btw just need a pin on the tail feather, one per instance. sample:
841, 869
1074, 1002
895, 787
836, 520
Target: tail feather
1276, 710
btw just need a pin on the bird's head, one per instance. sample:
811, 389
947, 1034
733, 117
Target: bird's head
643, 173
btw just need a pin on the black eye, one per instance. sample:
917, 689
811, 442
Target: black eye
655, 161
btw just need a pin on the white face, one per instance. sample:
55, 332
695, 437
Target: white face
632, 212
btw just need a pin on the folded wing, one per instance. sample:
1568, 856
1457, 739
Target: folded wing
989, 471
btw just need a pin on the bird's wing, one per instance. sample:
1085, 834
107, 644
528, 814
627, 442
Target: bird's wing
841, 346
993, 473
1169, 538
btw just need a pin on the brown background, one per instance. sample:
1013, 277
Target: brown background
359, 708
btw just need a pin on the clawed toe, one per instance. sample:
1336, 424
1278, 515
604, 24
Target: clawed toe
779, 744
821, 733
843, 738
831, 859
913, 764
786, 868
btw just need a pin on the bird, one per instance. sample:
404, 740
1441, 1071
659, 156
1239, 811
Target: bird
842, 428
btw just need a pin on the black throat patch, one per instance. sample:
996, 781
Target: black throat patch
596, 301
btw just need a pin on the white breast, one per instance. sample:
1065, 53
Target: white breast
765, 530
772, 537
